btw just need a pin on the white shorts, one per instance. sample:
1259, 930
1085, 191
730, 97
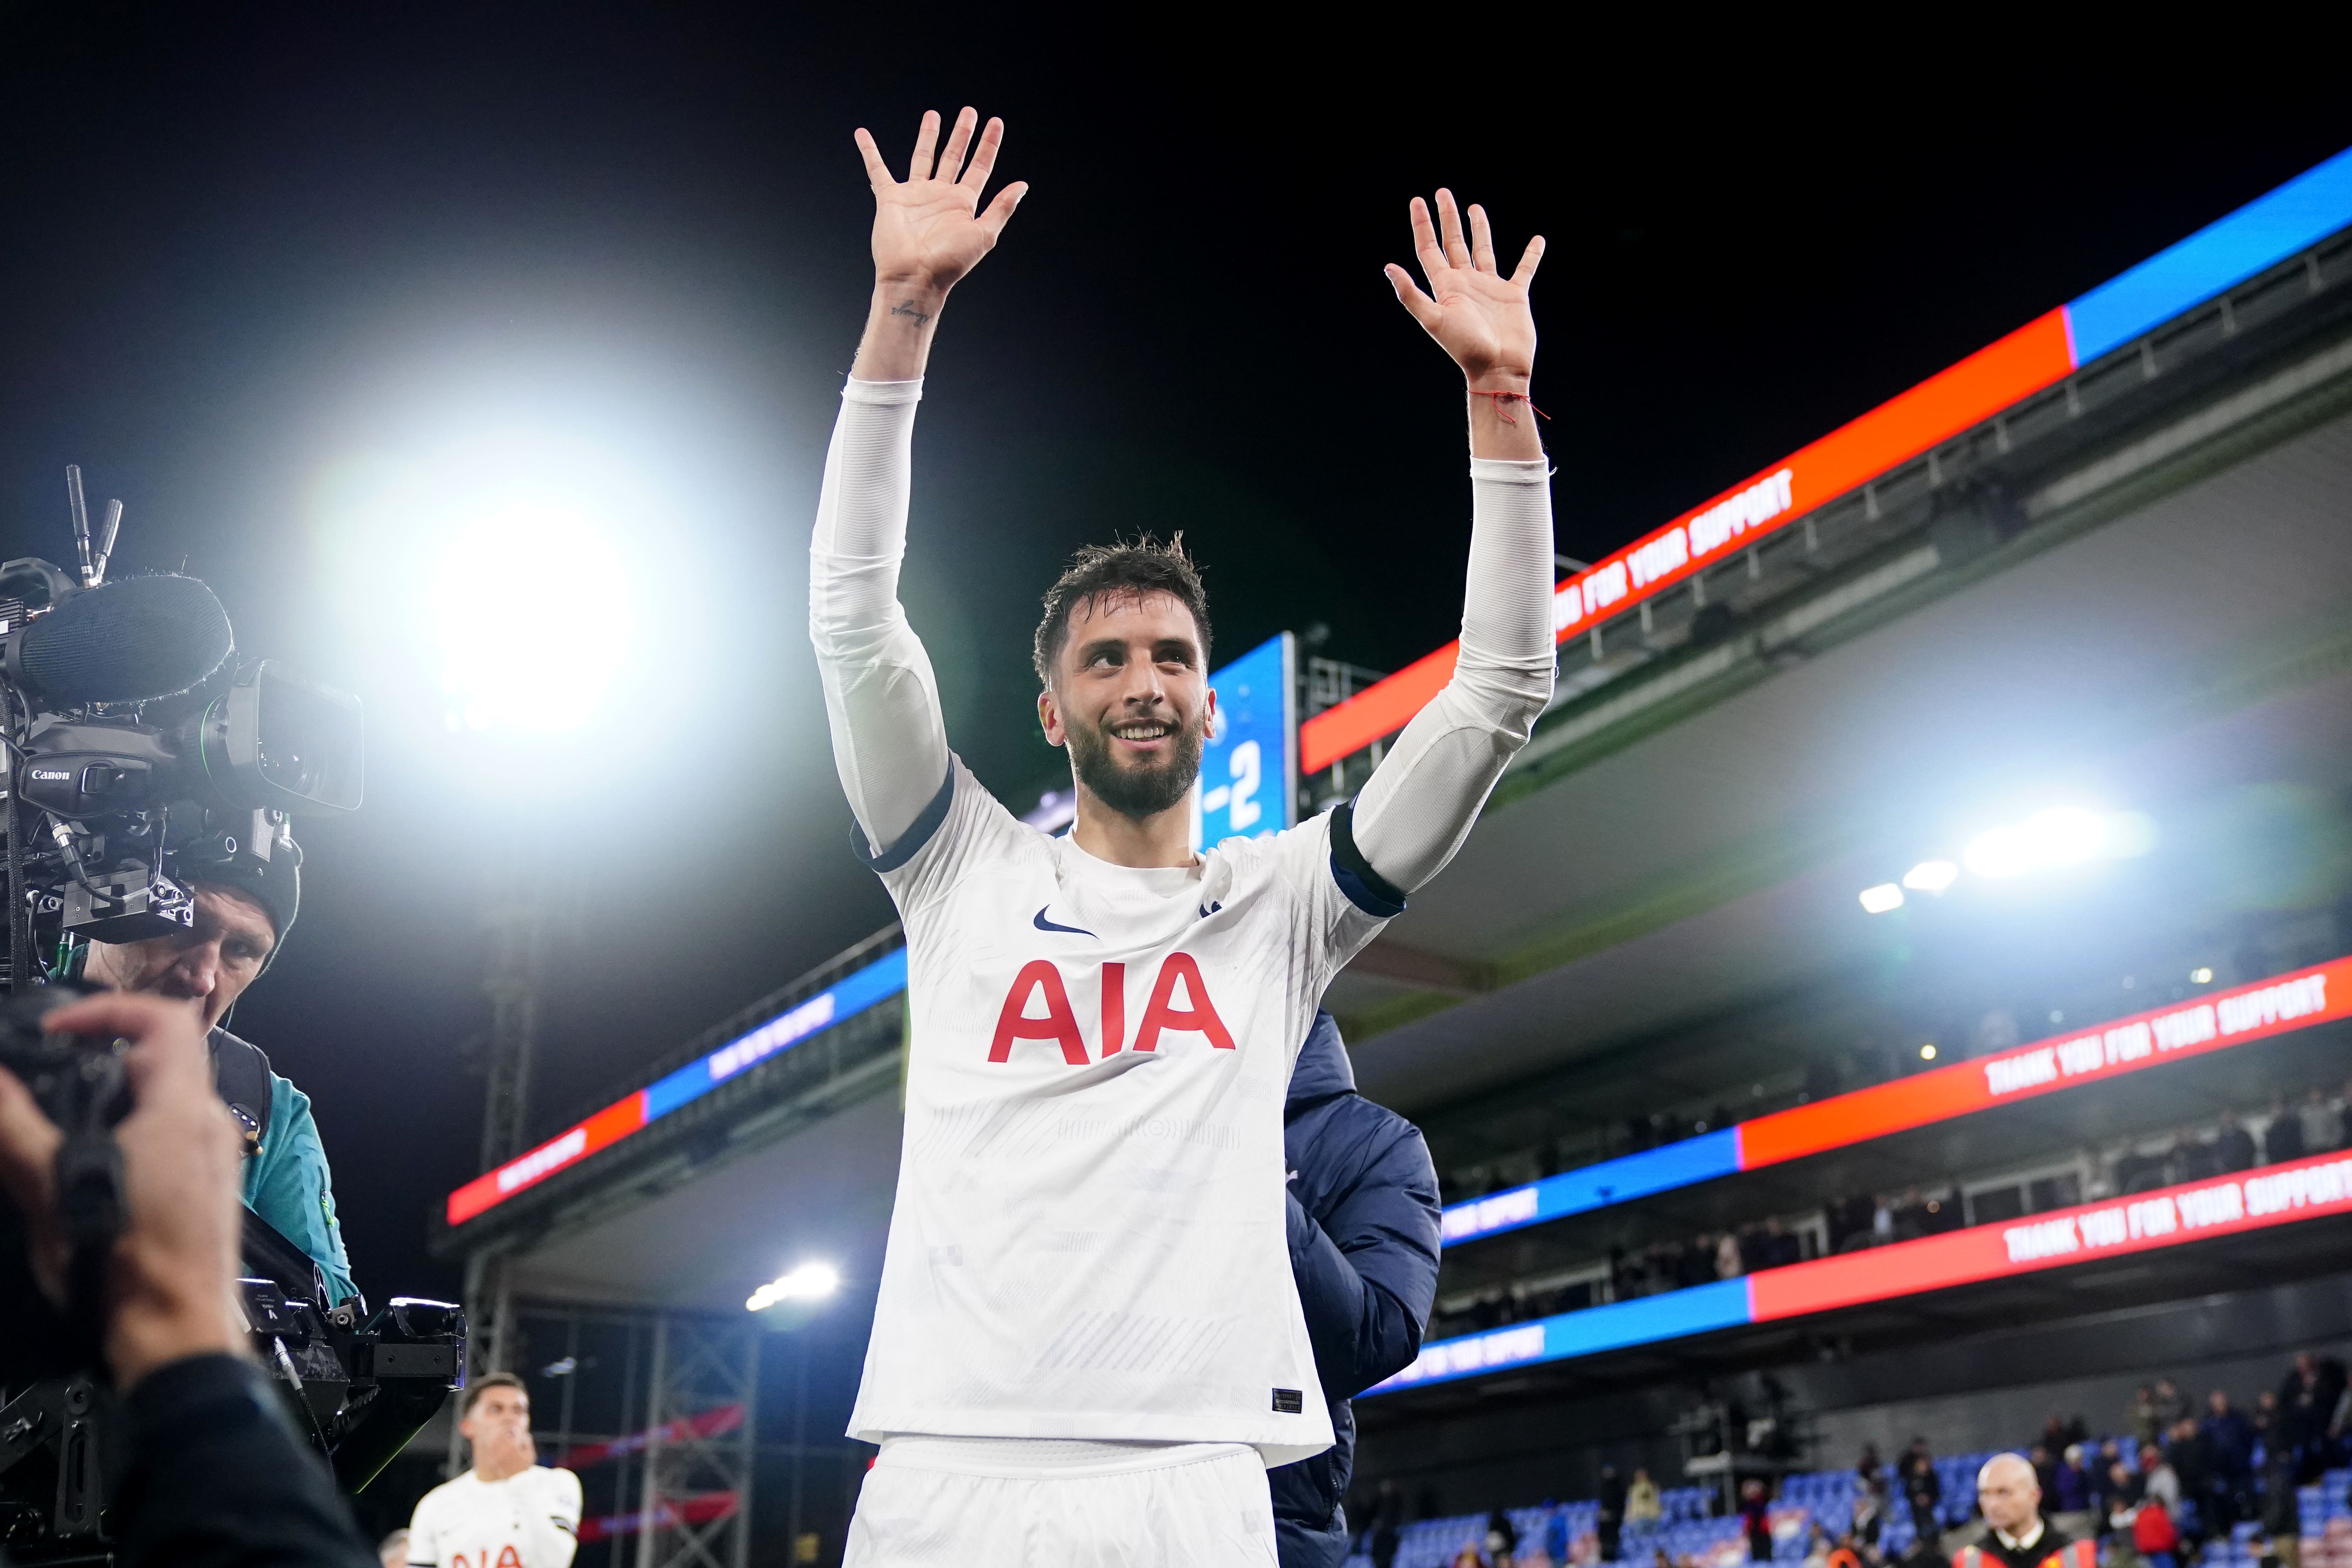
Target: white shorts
987, 1503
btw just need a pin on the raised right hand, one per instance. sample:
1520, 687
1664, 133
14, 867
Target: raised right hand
928, 228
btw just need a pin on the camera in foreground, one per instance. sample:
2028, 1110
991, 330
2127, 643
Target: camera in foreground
141, 759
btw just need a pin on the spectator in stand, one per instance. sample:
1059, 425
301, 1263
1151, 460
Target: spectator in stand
1911, 1216
2158, 1481
2323, 1124
2170, 1405
2116, 1532
2307, 1401
1385, 1515
2234, 1149
2193, 1159
2072, 1490
2229, 1450
1611, 1522
2057, 1432
2282, 1518
2017, 1536
1922, 1488
1817, 1548
1870, 1511
1727, 1258
2283, 1139
2152, 1533
2140, 1415
2192, 1468
1644, 1506
1755, 1518
2045, 1468
1502, 1538
1849, 1553
2104, 1469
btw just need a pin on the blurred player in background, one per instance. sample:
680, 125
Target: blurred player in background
508, 1511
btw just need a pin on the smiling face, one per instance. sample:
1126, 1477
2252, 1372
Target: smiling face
1130, 699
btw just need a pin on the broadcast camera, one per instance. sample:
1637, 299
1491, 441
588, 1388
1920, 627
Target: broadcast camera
140, 756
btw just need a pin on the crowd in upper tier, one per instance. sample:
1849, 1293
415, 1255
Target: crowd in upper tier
2306, 1120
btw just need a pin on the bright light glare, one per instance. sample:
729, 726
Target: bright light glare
2200, 975
1928, 1052
809, 1282
530, 608
1885, 896
1931, 875
2062, 835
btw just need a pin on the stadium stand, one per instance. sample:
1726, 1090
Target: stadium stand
1690, 1535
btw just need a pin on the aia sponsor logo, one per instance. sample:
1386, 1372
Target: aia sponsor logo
1179, 1005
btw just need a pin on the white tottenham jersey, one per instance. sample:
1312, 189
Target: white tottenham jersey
1090, 1237
527, 1520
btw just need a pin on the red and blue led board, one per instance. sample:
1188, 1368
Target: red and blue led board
2194, 1211
2260, 235
2210, 1023
844, 1000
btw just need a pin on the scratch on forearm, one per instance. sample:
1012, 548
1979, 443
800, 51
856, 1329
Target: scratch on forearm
909, 309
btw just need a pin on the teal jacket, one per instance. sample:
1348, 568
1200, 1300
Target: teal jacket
286, 1182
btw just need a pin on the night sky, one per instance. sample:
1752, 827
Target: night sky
254, 258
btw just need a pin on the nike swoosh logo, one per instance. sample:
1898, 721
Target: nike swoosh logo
1042, 923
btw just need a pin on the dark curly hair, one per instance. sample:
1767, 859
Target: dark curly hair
1116, 572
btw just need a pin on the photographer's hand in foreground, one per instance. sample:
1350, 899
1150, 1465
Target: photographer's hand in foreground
171, 1282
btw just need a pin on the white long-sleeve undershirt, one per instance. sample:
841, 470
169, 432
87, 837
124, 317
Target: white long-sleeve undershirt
882, 703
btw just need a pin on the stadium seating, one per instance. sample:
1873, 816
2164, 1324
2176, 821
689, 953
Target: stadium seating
1569, 1532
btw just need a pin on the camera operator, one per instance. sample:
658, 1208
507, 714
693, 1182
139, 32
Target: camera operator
213, 1477
243, 908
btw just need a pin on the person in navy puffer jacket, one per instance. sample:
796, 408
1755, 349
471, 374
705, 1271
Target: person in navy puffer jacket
1363, 1248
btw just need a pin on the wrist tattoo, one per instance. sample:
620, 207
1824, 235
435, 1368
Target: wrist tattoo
908, 308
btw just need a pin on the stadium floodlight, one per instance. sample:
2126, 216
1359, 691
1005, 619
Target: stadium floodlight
2200, 975
1928, 1052
1878, 900
809, 1282
2062, 836
1931, 875
529, 611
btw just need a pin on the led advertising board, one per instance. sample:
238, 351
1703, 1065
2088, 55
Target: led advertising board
2263, 233
2210, 1023
2196, 1211
1249, 764
841, 1001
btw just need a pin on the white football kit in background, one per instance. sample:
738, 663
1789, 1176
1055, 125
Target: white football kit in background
1088, 1240
527, 1520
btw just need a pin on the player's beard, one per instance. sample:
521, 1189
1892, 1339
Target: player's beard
1134, 791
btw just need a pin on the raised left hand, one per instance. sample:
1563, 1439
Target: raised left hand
1477, 314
